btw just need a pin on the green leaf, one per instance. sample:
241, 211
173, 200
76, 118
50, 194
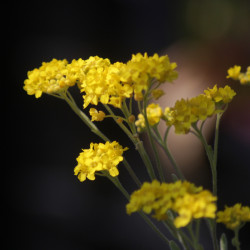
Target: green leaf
173, 245
223, 242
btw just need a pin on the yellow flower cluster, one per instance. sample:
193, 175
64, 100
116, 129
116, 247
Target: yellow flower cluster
233, 217
182, 197
141, 69
102, 83
99, 80
99, 157
187, 112
49, 78
154, 114
234, 73
224, 95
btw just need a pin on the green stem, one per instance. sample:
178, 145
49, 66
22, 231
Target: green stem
210, 156
194, 238
68, 98
235, 240
138, 145
153, 226
117, 183
153, 146
177, 234
163, 144
131, 173
216, 138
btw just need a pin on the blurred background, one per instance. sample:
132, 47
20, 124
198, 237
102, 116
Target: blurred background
47, 207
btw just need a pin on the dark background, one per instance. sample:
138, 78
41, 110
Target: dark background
47, 207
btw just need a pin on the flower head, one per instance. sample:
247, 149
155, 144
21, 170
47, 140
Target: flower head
101, 83
50, 78
99, 157
140, 123
233, 217
184, 198
245, 77
224, 95
141, 69
234, 72
96, 115
187, 112
154, 113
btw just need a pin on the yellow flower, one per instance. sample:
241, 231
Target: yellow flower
76, 70
195, 206
245, 77
234, 72
140, 123
224, 95
154, 113
102, 83
50, 78
187, 112
99, 157
233, 217
141, 69
184, 198
168, 116
202, 107
96, 115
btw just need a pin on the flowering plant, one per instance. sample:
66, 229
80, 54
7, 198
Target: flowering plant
179, 205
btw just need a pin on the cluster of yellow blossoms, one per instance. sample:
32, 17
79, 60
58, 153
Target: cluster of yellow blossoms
154, 114
236, 74
188, 111
184, 198
235, 216
99, 157
49, 78
99, 79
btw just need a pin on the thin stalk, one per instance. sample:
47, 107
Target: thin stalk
117, 183
210, 156
131, 173
68, 98
151, 140
194, 238
153, 226
235, 240
216, 138
178, 234
138, 145
164, 146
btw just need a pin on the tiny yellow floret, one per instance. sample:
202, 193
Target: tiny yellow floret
154, 113
96, 115
234, 72
224, 95
235, 216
